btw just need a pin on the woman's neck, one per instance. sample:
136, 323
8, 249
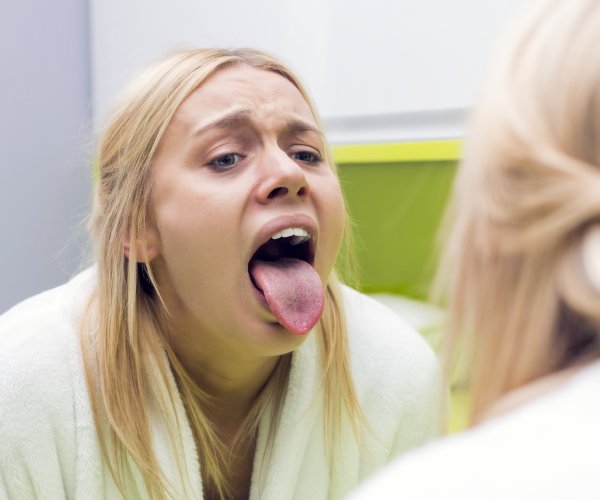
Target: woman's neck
233, 381
231, 378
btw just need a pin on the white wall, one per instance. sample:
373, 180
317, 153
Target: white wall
381, 70
44, 173
127, 35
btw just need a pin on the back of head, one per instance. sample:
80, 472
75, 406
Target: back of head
526, 202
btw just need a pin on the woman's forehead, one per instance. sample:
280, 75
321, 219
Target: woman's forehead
244, 92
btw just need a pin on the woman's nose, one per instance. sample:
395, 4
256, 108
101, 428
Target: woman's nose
283, 178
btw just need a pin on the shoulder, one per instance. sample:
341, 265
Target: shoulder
36, 329
556, 433
39, 351
36, 313
479, 463
411, 476
397, 376
384, 344
467, 466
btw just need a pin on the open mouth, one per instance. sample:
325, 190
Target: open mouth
282, 270
292, 243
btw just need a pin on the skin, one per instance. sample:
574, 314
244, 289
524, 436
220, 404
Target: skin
241, 152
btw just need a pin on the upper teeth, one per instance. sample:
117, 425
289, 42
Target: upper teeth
298, 235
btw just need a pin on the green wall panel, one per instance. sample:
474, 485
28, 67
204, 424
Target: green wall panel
396, 208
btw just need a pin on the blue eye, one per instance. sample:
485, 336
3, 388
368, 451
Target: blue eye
226, 161
306, 157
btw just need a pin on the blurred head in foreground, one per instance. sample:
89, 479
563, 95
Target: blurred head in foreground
520, 275
521, 266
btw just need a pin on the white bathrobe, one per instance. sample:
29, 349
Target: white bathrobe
49, 448
545, 449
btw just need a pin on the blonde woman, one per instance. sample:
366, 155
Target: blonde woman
210, 352
522, 276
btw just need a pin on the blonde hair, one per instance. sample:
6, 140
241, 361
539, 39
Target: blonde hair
527, 193
126, 335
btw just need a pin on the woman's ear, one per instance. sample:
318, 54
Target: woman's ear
147, 245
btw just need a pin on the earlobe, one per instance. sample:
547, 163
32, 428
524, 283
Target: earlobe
147, 246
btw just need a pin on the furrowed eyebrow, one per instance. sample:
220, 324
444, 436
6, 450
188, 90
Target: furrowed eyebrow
232, 120
298, 126
239, 118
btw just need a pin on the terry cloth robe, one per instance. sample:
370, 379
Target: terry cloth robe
543, 449
49, 448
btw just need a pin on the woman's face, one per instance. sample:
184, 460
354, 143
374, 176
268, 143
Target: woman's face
240, 161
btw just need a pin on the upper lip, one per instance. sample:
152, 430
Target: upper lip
303, 221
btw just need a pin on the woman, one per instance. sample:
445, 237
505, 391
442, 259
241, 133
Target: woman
521, 275
211, 351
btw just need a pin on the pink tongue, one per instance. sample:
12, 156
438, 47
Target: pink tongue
293, 291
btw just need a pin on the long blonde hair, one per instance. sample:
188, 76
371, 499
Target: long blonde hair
526, 196
126, 335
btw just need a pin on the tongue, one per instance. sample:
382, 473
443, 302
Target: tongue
293, 291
